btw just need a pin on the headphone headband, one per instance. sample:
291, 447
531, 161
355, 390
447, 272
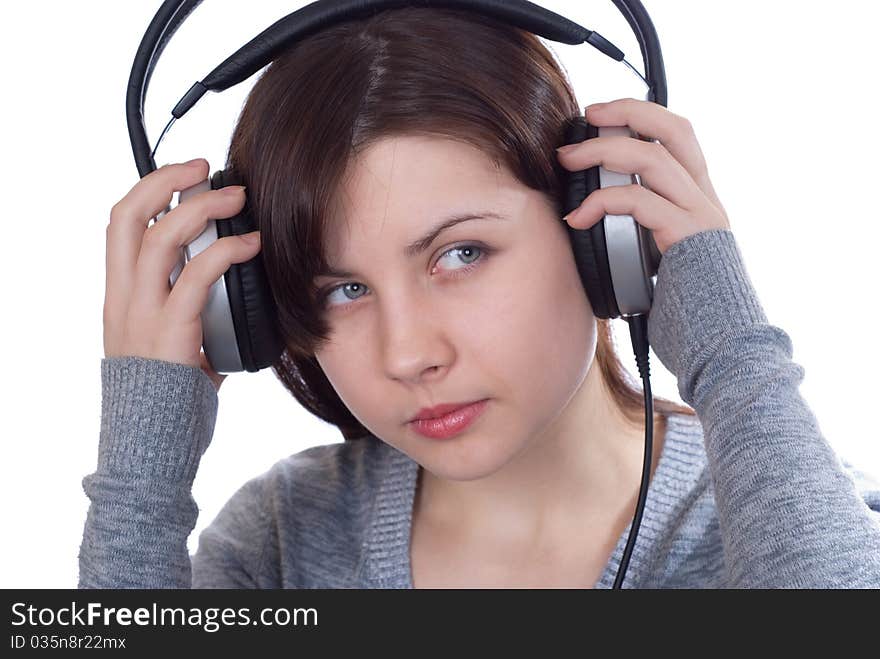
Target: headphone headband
263, 48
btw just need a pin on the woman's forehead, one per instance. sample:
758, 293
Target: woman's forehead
426, 162
418, 180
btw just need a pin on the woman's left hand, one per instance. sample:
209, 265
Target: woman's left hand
676, 198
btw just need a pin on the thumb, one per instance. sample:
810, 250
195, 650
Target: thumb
216, 378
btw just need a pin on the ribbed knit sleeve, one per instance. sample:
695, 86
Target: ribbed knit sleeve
157, 420
790, 516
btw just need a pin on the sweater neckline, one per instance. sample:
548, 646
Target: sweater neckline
386, 560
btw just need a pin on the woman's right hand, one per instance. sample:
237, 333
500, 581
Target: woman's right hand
143, 315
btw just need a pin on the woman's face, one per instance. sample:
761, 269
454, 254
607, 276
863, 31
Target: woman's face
493, 308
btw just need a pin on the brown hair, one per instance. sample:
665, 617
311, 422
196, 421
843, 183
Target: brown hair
410, 71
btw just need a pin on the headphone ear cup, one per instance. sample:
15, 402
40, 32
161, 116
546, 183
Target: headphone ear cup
251, 304
588, 245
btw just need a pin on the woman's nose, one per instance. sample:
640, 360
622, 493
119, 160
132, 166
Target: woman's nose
415, 342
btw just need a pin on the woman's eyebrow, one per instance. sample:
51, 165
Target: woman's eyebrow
418, 246
423, 243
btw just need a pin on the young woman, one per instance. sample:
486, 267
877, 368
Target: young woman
357, 145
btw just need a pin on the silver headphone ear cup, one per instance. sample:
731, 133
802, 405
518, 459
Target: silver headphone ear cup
218, 327
626, 244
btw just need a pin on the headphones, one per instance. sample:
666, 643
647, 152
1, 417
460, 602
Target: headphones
617, 258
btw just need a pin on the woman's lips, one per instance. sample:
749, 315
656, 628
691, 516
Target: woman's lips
450, 424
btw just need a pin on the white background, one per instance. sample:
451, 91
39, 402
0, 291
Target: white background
781, 95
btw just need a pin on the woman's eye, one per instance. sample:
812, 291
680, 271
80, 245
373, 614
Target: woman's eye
470, 255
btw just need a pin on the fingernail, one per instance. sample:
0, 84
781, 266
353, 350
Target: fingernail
252, 238
594, 107
566, 149
571, 215
194, 162
234, 189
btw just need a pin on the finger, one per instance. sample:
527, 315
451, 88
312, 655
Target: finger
153, 192
190, 293
657, 169
663, 218
125, 231
163, 242
655, 121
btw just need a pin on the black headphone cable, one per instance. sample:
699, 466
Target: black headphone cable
638, 331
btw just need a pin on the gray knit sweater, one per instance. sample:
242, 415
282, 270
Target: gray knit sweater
747, 494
